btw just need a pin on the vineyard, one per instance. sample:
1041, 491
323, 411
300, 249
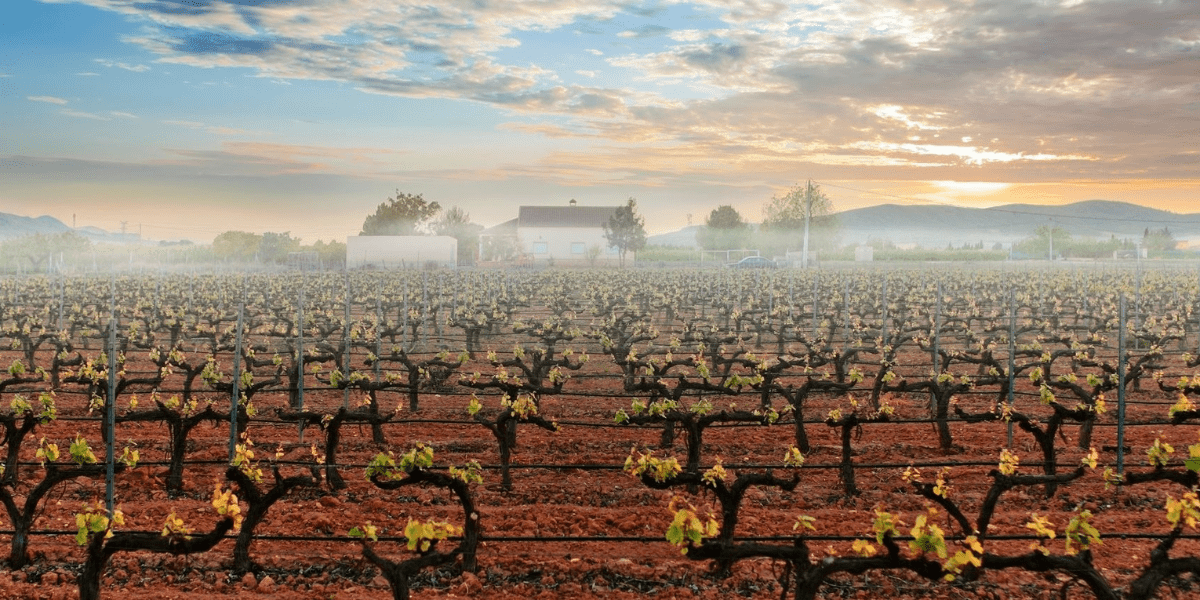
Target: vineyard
849, 433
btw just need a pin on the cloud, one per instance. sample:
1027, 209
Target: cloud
88, 74
549, 130
264, 159
645, 31
969, 154
121, 114
216, 43
896, 113
84, 115
1043, 89
213, 129
228, 131
48, 99
691, 35
182, 123
120, 65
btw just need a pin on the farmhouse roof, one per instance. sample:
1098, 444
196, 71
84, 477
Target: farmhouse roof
565, 216
508, 227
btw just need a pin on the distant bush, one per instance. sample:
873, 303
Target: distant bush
667, 254
920, 254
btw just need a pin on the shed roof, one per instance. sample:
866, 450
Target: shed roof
565, 216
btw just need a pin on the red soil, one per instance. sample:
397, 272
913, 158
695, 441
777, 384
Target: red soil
579, 502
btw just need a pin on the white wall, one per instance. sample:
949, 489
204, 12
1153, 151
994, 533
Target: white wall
395, 251
559, 242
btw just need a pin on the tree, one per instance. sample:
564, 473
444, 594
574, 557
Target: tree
626, 230
1043, 239
500, 247
457, 224
784, 219
403, 215
593, 254
788, 211
723, 230
331, 253
1159, 240
236, 245
39, 247
274, 247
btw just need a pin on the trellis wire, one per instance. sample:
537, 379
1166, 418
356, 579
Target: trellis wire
1121, 353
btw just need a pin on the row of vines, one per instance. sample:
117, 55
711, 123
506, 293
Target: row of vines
940, 426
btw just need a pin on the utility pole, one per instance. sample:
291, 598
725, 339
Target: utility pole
1051, 240
808, 198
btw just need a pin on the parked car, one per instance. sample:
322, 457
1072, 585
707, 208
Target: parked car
753, 262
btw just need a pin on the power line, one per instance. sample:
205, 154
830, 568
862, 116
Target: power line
1025, 212
905, 198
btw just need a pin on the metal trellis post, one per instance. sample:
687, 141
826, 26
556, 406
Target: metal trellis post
346, 347
814, 307
1121, 391
1012, 356
883, 327
300, 355
937, 330
236, 395
110, 416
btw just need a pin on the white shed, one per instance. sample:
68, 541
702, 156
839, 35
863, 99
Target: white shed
400, 251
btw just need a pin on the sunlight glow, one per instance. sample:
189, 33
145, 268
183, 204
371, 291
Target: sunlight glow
972, 187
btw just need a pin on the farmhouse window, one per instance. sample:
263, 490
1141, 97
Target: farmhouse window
577, 248
539, 247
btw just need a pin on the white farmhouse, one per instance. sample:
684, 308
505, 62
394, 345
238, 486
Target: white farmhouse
569, 235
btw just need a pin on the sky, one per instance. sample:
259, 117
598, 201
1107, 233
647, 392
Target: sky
185, 118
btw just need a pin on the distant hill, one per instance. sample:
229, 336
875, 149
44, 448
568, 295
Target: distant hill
16, 226
935, 226
684, 238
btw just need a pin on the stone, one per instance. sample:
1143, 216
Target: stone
471, 586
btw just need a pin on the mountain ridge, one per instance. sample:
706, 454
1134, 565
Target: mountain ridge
18, 226
936, 225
